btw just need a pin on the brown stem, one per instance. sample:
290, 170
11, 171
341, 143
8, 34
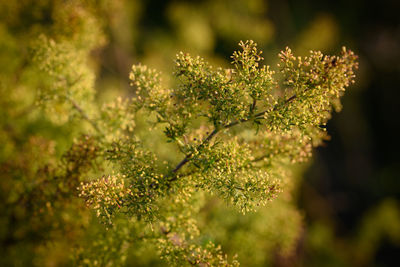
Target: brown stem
187, 158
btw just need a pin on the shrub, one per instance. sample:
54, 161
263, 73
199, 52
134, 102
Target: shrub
148, 172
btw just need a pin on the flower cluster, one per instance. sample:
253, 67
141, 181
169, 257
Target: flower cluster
106, 194
227, 170
117, 118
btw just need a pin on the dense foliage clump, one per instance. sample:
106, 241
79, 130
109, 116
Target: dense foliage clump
236, 129
148, 172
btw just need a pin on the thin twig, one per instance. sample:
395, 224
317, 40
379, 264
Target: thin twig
84, 114
253, 106
259, 158
187, 158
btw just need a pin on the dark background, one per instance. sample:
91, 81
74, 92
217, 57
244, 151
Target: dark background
359, 167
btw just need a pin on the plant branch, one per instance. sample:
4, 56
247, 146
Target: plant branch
187, 158
253, 105
84, 115
227, 126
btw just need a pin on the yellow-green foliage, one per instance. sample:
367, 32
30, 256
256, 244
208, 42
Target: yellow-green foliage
83, 185
283, 125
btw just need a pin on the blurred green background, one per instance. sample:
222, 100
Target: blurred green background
350, 193
351, 190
